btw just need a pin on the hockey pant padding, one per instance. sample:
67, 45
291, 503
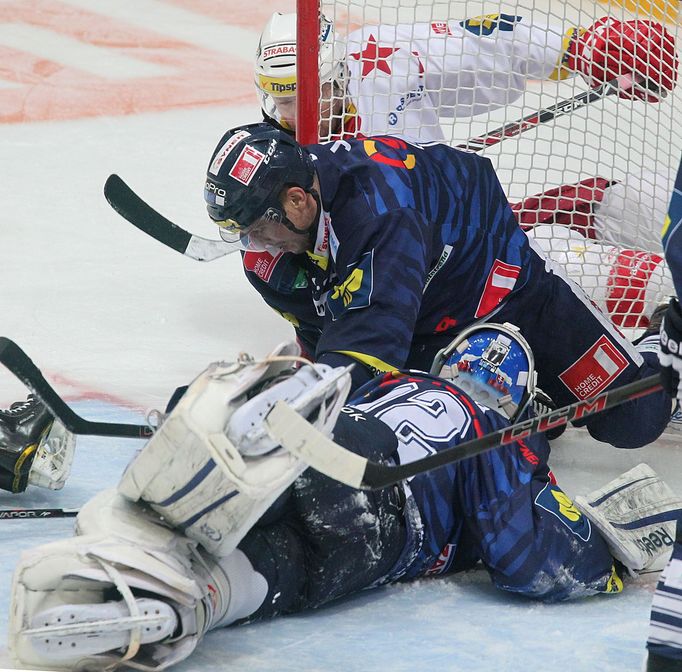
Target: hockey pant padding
527, 531
577, 348
326, 540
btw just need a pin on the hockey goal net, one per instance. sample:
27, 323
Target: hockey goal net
593, 184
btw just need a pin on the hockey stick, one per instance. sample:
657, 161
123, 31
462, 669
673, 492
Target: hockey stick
16, 514
301, 439
140, 214
514, 128
21, 365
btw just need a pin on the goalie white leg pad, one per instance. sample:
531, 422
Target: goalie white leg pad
130, 591
213, 478
54, 457
636, 515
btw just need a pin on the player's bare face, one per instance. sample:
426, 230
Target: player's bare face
287, 111
301, 210
269, 234
330, 111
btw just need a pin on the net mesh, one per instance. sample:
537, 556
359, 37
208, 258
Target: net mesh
592, 185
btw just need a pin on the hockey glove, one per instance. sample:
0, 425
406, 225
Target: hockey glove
34, 448
640, 53
670, 355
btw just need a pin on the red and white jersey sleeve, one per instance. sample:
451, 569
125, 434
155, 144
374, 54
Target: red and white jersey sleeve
404, 77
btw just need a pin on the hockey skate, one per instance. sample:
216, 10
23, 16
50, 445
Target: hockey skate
126, 591
35, 449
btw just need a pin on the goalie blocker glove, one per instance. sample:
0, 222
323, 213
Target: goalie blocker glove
670, 355
34, 448
627, 51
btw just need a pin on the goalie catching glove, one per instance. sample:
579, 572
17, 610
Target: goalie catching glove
640, 54
211, 469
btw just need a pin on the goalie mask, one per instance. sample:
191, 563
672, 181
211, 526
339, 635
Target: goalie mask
275, 72
494, 365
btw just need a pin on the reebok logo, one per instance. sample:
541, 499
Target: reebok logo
652, 542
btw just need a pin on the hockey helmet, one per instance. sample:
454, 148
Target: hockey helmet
275, 71
247, 172
494, 365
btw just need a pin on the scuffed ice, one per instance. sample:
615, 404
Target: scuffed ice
453, 623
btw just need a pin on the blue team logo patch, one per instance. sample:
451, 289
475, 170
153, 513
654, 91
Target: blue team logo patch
554, 500
356, 289
488, 24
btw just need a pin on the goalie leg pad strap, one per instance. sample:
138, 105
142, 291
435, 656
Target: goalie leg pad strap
127, 558
213, 478
636, 515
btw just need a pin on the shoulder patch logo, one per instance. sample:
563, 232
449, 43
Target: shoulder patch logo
356, 289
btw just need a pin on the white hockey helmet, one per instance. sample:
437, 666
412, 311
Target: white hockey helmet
275, 71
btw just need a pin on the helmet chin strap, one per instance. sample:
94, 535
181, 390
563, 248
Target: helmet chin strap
311, 231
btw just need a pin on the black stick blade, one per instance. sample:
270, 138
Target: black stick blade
21, 365
141, 215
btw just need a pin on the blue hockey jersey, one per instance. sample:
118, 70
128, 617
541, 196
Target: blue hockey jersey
414, 243
672, 233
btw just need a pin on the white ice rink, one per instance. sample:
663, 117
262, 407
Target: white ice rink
116, 321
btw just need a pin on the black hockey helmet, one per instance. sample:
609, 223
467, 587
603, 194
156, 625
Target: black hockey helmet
248, 170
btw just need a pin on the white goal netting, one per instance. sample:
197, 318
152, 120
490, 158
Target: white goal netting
606, 168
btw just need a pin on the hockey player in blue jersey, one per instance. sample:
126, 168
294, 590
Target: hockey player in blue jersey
403, 245
665, 634
213, 523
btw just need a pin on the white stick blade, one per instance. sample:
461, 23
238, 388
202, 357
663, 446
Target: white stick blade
300, 438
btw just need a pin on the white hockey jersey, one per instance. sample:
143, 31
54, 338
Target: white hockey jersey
402, 78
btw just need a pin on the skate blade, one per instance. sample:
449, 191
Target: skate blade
74, 631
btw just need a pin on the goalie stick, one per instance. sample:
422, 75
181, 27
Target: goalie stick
141, 215
21, 365
301, 439
36, 514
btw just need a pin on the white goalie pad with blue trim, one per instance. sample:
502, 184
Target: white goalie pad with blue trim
211, 469
636, 513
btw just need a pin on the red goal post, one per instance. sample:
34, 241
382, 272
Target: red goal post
606, 168
307, 71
